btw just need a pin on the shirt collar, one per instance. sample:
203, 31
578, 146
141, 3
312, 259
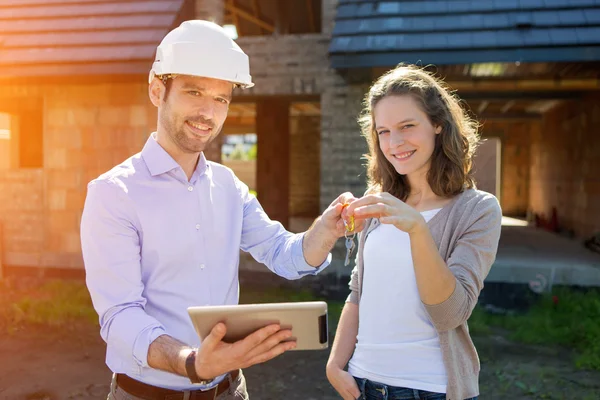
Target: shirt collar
159, 161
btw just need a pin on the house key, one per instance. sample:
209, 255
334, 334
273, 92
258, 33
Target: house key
349, 234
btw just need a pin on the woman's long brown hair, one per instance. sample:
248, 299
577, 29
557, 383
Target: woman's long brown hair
451, 161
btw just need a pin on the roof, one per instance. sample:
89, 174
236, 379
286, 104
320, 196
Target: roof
371, 33
83, 37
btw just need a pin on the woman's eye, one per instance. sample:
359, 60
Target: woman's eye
194, 93
407, 126
382, 132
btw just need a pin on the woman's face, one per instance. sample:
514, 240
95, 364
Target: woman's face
406, 136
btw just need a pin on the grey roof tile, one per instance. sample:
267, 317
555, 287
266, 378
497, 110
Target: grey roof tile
460, 6
482, 5
587, 35
36, 35
459, 39
495, 28
546, 18
557, 3
529, 4
435, 41
536, 37
496, 20
346, 11
571, 17
563, 36
502, 5
592, 17
485, 39
389, 8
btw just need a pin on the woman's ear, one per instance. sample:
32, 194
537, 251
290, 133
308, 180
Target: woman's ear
438, 129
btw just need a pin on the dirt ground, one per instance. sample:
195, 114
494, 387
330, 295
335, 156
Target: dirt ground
61, 364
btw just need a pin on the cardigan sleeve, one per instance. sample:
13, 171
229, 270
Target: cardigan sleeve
470, 262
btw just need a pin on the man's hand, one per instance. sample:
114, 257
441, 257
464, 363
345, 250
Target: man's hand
216, 357
333, 217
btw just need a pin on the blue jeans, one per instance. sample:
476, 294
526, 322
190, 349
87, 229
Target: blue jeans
378, 391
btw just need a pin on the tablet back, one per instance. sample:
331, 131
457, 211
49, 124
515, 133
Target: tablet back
307, 320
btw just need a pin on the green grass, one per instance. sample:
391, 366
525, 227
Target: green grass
59, 302
573, 322
53, 303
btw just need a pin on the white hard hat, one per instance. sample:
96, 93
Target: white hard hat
202, 48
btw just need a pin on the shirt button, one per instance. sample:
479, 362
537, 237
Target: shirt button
190, 188
197, 226
202, 266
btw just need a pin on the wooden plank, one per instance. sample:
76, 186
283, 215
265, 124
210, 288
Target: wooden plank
88, 24
56, 39
76, 54
235, 17
249, 17
1, 250
256, 11
311, 16
507, 85
79, 10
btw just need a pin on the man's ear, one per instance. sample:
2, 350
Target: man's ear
156, 91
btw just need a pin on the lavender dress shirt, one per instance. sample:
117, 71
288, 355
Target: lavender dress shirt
155, 243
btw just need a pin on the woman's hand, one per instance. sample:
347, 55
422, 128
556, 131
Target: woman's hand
343, 383
389, 210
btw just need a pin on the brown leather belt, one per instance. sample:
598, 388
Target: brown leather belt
149, 392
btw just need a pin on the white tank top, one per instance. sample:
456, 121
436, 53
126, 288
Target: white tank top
397, 343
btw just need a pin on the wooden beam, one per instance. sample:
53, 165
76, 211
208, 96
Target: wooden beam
249, 17
543, 106
311, 16
509, 117
239, 120
256, 10
491, 96
235, 17
524, 85
507, 106
282, 24
482, 106
273, 158
238, 129
1, 251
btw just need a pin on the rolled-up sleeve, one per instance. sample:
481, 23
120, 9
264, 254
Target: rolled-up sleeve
269, 243
111, 253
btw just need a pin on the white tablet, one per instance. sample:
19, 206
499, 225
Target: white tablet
307, 320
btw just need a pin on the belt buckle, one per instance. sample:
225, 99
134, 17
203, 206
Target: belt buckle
196, 394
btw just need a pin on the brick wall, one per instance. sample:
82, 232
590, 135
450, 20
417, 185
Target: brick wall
565, 165
515, 157
286, 65
22, 215
87, 130
342, 147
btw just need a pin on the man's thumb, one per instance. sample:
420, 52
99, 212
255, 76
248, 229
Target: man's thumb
215, 336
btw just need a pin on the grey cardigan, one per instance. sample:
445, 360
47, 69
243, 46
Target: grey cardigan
466, 232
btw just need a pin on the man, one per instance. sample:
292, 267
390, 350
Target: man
162, 232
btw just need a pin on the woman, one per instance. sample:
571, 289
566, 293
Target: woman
428, 243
